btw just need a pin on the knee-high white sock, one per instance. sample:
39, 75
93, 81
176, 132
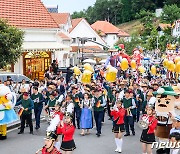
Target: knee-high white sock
120, 141
116, 141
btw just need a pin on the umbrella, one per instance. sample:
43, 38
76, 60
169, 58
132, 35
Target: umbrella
103, 61
89, 61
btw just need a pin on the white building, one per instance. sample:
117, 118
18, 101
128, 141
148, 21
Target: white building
42, 42
176, 28
109, 33
82, 29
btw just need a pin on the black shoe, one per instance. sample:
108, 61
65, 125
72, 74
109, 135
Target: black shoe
133, 133
127, 134
98, 134
37, 127
31, 133
21, 132
3, 137
27, 125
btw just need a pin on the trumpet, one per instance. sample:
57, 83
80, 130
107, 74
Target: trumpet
144, 122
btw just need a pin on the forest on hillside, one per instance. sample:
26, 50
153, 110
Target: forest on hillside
120, 11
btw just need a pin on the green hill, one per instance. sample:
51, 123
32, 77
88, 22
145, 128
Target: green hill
132, 27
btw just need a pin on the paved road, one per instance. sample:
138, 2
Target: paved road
28, 144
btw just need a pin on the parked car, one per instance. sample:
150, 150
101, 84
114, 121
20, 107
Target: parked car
14, 76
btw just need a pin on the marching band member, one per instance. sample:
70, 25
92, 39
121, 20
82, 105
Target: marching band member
67, 129
118, 114
49, 147
148, 136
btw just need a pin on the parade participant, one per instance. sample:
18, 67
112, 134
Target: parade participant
175, 139
122, 55
128, 119
164, 108
137, 56
118, 114
147, 136
27, 106
98, 103
68, 104
134, 110
7, 113
176, 125
38, 105
67, 129
109, 97
77, 110
49, 147
86, 114
52, 101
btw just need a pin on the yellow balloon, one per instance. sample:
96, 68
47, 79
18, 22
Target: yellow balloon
141, 69
133, 64
77, 70
87, 66
124, 64
165, 63
111, 74
86, 77
177, 69
177, 59
153, 70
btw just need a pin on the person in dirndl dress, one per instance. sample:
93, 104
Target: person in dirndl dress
148, 136
118, 113
86, 114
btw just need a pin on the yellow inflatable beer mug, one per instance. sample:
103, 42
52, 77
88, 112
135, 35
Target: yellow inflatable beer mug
141, 69
87, 66
177, 59
86, 77
165, 63
111, 74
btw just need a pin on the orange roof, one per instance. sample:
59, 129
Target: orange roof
26, 14
75, 22
87, 49
123, 34
64, 36
105, 27
164, 26
60, 18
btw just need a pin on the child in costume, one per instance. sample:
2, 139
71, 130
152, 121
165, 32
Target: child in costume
67, 129
118, 114
49, 147
164, 108
147, 136
7, 113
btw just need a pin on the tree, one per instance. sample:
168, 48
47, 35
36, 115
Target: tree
170, 13
11, 40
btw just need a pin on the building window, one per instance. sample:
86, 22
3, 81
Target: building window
94, 39
73, 40
114, 37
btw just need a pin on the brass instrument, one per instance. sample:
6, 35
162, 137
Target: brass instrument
128, 112
144, 122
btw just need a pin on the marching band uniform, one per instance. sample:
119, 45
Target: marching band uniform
54, 151
147, 135
68, 131
118, 116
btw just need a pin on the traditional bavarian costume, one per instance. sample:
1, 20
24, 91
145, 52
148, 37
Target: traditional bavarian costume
118, 117
68, 143
147, 135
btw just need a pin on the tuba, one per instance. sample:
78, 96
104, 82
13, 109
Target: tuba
144, 122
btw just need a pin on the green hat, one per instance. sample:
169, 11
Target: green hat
165, 90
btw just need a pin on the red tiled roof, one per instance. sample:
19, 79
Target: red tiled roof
123, 34
87, 49
105, 27
60, 18
64, 36
26, 14
75, 22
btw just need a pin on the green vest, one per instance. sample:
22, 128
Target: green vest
26, 104
36, 99
100, 99
51, 103
127, 103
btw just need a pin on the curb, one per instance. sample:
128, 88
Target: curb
18, 123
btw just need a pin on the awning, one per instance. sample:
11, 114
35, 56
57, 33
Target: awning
44, 46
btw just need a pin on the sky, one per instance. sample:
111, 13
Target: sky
70, 5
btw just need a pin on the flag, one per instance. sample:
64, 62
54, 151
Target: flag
20, 111
98, 104
76, 100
